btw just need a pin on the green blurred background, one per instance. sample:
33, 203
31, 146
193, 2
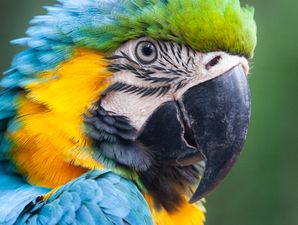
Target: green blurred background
262, 189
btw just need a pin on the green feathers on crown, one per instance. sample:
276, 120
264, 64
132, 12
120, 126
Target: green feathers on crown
204, 25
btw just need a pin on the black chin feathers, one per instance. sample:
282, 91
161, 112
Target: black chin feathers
113, 138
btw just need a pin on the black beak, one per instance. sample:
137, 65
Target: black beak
218, 111
208, 123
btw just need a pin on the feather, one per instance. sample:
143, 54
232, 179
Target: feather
77, 203
15, 194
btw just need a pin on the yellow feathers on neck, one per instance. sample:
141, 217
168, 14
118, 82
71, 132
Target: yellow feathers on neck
48, 145
188, 214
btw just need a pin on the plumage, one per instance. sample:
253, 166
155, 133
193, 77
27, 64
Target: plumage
53, 131
97, 197
15, 195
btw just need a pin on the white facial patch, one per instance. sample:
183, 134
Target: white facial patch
132, 106
143, 86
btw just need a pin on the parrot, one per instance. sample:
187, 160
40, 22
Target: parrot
124, 112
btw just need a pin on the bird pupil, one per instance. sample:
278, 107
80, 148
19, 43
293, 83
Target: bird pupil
148, 49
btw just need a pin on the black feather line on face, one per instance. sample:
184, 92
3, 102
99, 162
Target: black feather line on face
122, 56
168, 59
141, 91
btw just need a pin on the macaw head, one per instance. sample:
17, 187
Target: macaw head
168, 97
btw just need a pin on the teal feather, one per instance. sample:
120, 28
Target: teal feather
20, 41
7, 101
86, 201
7, 112
15, 194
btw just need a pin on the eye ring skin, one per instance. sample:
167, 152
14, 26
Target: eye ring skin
140, 47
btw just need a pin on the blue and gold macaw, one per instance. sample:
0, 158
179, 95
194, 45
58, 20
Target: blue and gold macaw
124, 111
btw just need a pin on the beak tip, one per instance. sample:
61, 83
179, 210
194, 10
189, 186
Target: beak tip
194, 199
202, 190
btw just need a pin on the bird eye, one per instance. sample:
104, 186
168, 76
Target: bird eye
146, 52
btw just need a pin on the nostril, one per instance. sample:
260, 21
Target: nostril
213, 62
